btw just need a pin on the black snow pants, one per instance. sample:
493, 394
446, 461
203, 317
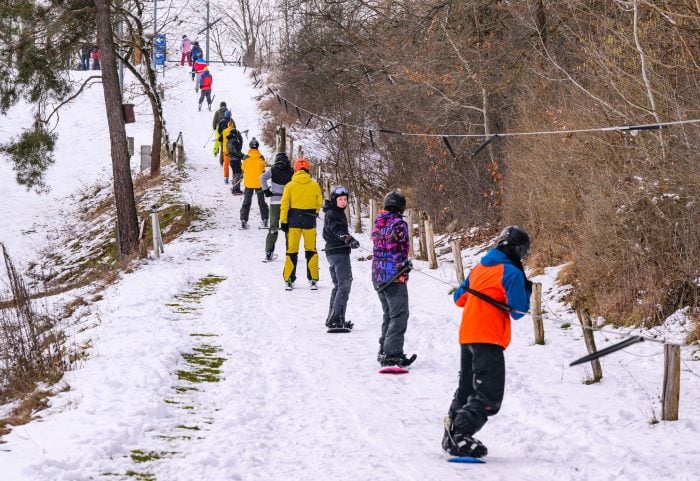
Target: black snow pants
482, 380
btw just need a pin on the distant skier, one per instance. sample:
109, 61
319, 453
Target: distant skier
253, 166
277, 176
218, 117
205, 83
390, 268
338, 245
198, 67
301, 201
186, 47
223, 125
234, 146
483, 336
195, 53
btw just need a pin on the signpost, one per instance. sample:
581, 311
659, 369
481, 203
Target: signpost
160, 43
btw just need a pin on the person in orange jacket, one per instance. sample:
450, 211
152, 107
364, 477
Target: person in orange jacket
253, 166
483, 336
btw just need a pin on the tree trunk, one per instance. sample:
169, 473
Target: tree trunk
157, 140
127, 222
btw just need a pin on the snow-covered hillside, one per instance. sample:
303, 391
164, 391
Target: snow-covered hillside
201, 366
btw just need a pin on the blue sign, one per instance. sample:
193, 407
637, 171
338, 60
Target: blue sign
160, 41
160, 57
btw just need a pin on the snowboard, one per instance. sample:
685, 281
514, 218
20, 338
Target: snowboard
337, 330
393, 370
466, 459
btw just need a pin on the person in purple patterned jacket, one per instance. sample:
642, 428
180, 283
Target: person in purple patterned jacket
390, 268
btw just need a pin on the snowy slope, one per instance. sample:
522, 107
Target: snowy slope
283, 400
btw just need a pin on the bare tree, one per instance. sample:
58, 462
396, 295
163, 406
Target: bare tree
127, 222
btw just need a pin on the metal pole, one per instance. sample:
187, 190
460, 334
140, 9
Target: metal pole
208, 26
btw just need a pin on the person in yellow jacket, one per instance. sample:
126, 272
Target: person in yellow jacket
301, 201
253, 167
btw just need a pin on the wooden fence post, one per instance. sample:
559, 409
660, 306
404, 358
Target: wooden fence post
430, 239
372, 210
585, 319
143, 242
536, 303
457, 254
281, 139
157, 238
291, 146
411, 220
358, 214
422, 250
180, 155
672, 382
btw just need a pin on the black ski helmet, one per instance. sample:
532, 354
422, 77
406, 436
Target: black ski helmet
514, 239
395, 202
253, 143
222, 105
339, 191
281, 158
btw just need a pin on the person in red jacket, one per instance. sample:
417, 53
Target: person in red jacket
205, 82
483, 336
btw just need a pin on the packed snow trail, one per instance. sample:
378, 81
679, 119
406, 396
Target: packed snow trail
285, 401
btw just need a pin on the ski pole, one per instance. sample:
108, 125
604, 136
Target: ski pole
210, 136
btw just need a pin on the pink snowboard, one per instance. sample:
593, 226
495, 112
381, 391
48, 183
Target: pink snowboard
393, 370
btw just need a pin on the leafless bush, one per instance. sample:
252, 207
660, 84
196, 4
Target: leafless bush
31, 349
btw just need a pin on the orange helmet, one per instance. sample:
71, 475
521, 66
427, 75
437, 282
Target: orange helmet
301, 163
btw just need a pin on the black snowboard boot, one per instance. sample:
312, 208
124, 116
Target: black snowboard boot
396, 360
461, 444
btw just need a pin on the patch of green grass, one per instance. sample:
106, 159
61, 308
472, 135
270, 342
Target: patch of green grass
191, 428
139, 456
205, 364
182, 389
141, 476
198, 334
566, 325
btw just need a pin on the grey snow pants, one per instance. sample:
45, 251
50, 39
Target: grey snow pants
394, 301
341, 275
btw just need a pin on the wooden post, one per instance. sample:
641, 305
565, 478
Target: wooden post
281, 139
358, 214
422, 250
372, 210
411, 221
457, 254
154, 232
291, 146
188, 214
585, 319
672, 382
180, 155
430, 238
536, 303
300, 153
161, 91
143, 242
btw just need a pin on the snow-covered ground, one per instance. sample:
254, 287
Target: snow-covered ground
277, 397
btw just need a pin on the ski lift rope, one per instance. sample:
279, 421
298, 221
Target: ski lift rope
595, 329
335, 124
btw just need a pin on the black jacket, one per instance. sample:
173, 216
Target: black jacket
335, 226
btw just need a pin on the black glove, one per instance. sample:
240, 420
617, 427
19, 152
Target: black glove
267, 192
528, 285
351, 241
408, 265
284, 227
